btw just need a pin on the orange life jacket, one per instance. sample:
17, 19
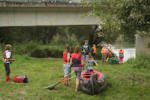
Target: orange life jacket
104, 50
94, 50
121, 52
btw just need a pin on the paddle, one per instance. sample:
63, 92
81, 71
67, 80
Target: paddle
52, 86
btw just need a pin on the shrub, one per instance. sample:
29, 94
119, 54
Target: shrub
31, 46
47, 52
38, 52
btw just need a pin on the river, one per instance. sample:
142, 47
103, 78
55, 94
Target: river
129, 50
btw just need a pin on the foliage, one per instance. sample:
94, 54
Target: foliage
110, 25
135, 16
47, 52
64, 36
124, 16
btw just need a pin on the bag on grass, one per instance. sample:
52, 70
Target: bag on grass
21, 79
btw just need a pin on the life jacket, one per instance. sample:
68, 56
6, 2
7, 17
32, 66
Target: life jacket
104, 50
121, 53
94, 50
21, 79
76, 59
109, 54
65, 56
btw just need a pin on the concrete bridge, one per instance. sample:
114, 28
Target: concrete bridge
45, 14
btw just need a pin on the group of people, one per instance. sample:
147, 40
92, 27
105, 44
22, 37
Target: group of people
76, 60
80, 57
107, 54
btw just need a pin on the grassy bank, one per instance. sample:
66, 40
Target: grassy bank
125, 82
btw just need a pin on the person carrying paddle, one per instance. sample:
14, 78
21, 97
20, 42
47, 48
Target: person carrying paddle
104, 52
7, 59
77, 62
66, 63
85, 53
93, 53
121, 56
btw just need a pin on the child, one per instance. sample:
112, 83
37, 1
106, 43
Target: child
77, 62
85, 52
7, 58
121, 56
66, 64
104, 52
94, 51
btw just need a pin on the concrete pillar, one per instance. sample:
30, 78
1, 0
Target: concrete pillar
142, 45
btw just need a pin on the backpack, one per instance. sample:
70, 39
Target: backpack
21, 79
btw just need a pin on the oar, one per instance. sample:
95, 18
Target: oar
52, 86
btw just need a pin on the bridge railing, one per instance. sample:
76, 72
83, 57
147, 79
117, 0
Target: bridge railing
52, 1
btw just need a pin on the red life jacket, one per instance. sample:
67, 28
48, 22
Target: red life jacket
65, 56
76, 59
20, 79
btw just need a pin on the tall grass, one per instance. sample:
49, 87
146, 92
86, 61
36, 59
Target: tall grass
141, 61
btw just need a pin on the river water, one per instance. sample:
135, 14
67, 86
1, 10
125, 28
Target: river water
129, 50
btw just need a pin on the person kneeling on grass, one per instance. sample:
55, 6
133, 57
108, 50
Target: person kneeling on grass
77, 62
66, 64
7, 58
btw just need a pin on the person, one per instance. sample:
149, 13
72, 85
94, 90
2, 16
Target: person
85, 53
66, 64
109, 55
121, 56
104, 52
94, 52
7, 58
77, 62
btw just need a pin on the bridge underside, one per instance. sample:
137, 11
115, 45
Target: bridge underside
45, 16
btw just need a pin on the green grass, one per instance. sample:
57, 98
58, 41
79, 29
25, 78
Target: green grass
124, 82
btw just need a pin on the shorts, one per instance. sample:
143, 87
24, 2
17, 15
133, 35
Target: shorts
67, 69
78, 73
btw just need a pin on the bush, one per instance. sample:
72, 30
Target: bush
38, 52
47, 52
31, 46
141, 61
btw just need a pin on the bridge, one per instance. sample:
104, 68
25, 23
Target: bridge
45, 14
